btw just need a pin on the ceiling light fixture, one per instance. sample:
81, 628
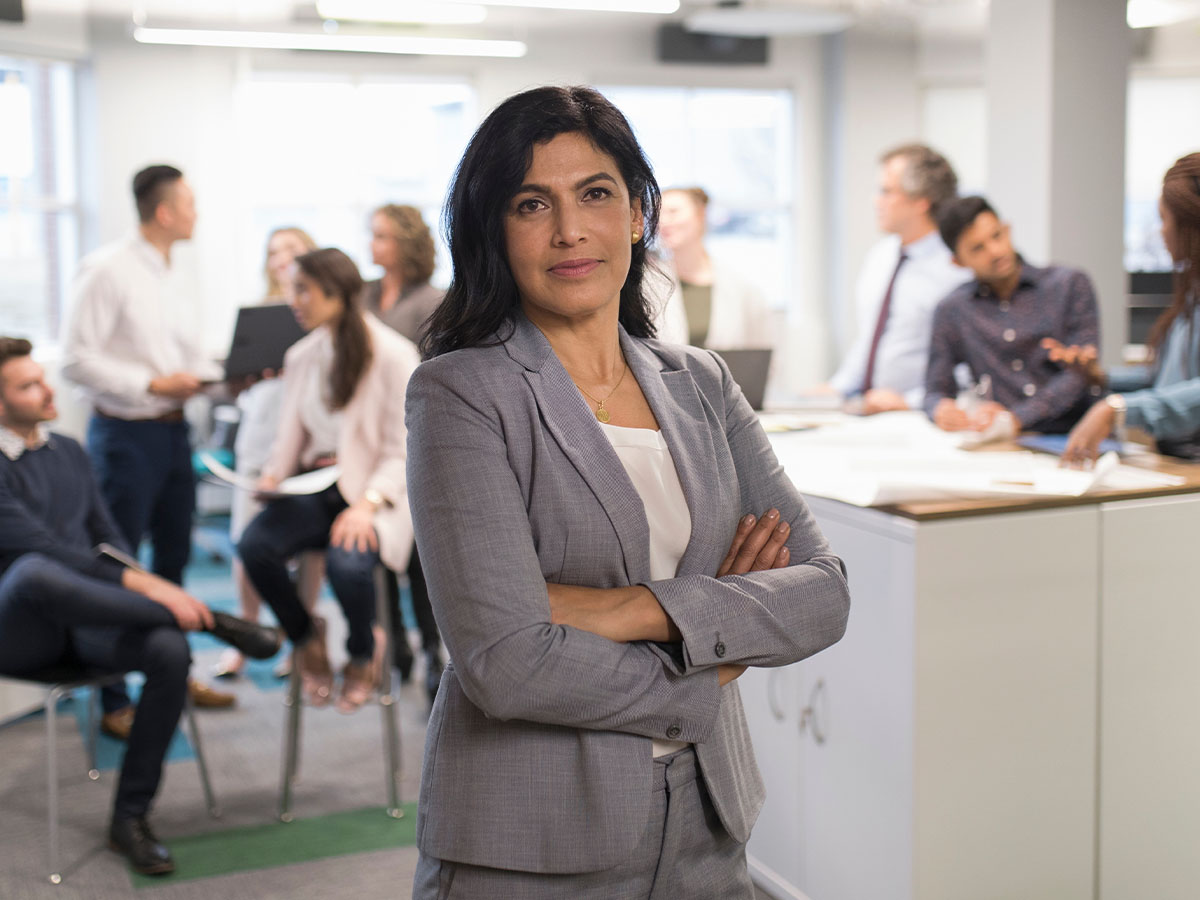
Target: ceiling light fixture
352, 43
423, 12
1155, 13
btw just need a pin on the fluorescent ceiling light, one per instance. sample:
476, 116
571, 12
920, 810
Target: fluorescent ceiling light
757, 21
353, 43
1153, 13
425, 12
660, 7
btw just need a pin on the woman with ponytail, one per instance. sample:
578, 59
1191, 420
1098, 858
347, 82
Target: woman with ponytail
343, 403
1164, 401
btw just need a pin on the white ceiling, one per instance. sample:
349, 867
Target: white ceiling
962, 17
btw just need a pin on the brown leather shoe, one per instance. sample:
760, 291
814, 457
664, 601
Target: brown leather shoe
204, 697
118, 723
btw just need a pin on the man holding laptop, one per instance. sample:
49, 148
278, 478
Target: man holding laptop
138, 367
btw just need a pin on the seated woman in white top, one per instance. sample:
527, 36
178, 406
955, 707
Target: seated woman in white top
343, 403
711, 304
259, 405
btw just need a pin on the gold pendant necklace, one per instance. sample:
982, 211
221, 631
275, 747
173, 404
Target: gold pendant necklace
602, 413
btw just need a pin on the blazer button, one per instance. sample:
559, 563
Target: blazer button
719, 649
674, 732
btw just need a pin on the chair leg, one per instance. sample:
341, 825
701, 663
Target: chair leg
210, 801
93, 731
387, 702
51, 708
291, 741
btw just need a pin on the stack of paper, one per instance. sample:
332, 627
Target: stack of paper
904, 458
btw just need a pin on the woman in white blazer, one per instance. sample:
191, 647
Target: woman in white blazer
710, 303
344, 404
607, 537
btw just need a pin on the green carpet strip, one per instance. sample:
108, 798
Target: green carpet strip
280, 844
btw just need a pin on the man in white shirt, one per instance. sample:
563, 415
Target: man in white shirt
138, 366
901, 282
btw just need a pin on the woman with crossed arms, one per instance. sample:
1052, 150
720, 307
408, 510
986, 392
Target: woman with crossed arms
608, 539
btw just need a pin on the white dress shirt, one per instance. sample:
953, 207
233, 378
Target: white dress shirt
647, 461
123, 334
926, 277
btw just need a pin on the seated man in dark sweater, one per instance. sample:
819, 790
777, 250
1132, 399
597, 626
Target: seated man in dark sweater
996, 323
62, 603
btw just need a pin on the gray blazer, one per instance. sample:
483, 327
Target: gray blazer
537, 755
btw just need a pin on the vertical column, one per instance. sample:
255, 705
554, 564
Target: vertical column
1056, 75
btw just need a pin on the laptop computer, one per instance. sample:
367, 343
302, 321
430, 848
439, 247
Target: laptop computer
261, 336
749, 367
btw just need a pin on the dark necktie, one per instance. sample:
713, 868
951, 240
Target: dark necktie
884, 309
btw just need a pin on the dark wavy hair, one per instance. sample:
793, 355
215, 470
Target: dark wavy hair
338, 277
483, 298
1181, 195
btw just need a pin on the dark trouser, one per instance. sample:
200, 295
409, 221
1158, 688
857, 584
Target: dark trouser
145, 474
51, 614
422, 609
289, 526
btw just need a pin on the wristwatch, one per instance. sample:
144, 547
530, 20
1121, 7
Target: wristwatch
372, 496
1117, 404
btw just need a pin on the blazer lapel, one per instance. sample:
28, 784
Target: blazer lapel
574, 428
675, 400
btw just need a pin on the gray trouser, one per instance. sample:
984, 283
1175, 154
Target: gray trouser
684, 852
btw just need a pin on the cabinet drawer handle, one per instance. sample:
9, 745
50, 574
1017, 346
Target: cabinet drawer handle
811, 715
772, 701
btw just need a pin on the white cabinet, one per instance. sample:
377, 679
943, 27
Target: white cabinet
958, 716
1150, 700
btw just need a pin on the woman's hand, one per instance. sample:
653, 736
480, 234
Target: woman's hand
1083, 443
354, 528
266, 487
758, 545
727, 672
619, 614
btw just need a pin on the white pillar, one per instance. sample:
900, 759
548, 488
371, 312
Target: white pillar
1056, 75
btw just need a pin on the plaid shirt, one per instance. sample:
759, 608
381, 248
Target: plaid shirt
1002, 338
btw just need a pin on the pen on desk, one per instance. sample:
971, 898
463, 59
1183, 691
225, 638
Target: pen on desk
1008, 481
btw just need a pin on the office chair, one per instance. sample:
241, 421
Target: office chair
63, 680
386, 699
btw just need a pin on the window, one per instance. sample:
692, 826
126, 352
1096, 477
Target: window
1161, 127
39, 214
737, 145
322, 153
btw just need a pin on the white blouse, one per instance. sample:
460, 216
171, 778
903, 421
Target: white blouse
647, 460
320, 420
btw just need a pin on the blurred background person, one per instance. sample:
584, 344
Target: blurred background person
260, 405
138, 367
402, 245
1164, 399
343, 402
711, 304
902, 280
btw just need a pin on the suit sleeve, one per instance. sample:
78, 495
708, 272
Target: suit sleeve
489, 593
770, 618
